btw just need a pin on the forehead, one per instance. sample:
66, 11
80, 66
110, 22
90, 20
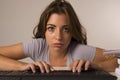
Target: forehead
58, 18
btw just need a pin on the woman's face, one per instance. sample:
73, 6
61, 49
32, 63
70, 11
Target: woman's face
57, 32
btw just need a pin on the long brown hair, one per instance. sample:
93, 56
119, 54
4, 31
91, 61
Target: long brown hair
61, 7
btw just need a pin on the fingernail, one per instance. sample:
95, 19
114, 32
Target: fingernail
47, 71
42, 71
52, 69
86, 68
34, 71
74, 70
79, 70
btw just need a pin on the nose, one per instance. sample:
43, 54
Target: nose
58, 35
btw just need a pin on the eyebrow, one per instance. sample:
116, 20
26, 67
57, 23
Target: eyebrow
51, 25
55, 26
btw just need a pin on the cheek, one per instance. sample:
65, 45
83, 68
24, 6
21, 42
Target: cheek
48, 37
68, 39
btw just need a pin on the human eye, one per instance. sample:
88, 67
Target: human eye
50, 28
66, 29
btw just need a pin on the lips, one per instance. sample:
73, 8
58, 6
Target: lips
58, 45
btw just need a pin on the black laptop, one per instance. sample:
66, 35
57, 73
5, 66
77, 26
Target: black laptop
91, 74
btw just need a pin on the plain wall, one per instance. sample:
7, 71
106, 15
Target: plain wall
101, 18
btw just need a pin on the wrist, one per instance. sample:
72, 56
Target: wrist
22, 66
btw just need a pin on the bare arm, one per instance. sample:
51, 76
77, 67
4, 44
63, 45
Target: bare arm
13, 51
106, 62
9, 56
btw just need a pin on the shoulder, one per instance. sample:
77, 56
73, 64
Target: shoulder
81, 47
34, 46
38, 41
80, 51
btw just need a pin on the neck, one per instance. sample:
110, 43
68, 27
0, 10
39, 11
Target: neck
58, 54
58, 58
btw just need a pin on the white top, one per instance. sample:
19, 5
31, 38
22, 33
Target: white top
38, 50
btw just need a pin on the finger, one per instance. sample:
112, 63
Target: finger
51, 68
41, 66
87, 64
46, 66
32, 67
74, 65
80, 64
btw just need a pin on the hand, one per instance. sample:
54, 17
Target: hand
44, 67
78, 65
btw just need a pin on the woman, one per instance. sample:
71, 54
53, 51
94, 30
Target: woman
60, 41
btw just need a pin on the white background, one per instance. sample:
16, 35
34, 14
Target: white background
101, 18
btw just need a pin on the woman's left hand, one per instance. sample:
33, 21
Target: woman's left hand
79, 65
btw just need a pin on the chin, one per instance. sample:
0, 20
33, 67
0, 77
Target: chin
58, 48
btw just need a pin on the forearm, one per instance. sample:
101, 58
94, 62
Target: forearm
107, 65
7, 64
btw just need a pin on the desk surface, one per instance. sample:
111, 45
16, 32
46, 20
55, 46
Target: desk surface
91, 74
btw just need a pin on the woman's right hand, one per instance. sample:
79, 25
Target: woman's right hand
44, 67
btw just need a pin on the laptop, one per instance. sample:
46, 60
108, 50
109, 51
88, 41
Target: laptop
91, 74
